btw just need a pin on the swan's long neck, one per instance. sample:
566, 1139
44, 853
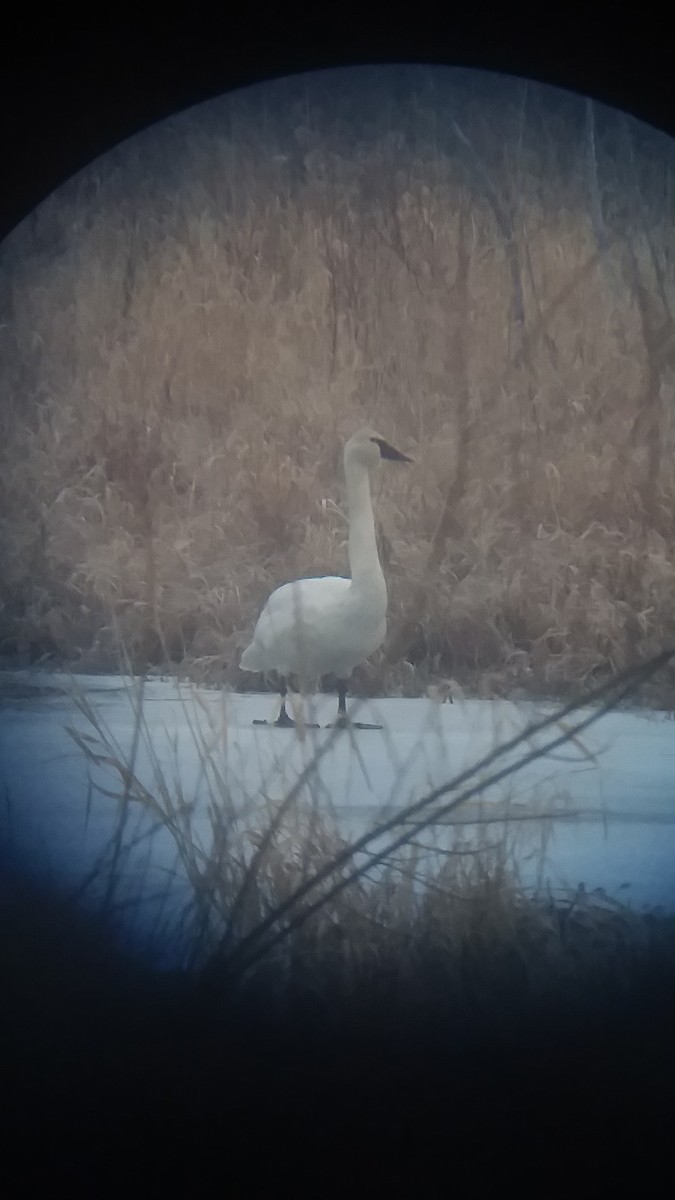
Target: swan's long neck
364, 561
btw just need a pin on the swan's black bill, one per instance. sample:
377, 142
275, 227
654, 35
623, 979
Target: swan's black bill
390, 452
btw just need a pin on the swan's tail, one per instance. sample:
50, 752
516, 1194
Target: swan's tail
250, 660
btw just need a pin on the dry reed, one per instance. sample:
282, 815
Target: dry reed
192, 325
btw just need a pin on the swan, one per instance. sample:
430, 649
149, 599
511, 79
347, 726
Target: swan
328, 625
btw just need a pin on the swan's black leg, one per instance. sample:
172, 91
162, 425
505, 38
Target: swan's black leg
283, 721
342, 719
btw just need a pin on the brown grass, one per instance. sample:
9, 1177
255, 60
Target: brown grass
273, 887
192, 326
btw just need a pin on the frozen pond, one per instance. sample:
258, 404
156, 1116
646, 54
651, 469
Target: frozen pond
605, 801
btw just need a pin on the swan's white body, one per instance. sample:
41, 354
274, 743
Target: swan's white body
316, 627
329, 625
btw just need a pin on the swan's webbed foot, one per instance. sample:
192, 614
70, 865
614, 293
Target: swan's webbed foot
342, 721
286, 722
283, 721
345, 723
338, 723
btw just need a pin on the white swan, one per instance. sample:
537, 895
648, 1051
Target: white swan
316, 627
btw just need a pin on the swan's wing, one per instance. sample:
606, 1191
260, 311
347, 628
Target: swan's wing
301, 610
302, 601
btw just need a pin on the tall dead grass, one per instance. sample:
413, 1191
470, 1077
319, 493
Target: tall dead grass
271, 884
192, 326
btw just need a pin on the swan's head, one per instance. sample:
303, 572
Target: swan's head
368, 449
